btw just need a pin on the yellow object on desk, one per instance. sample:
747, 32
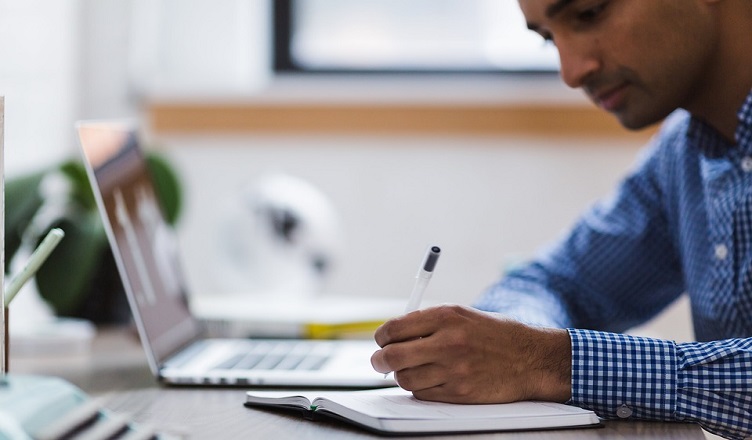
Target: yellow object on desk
316, 317
324, 330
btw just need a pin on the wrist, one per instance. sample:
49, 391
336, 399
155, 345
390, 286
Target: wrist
552, 366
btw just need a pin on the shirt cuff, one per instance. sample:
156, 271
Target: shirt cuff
622, 376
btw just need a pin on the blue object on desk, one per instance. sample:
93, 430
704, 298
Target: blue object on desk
28, 404
49, 408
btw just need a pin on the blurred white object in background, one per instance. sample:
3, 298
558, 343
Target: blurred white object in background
280, 235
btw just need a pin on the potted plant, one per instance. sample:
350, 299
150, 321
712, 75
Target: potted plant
80, 278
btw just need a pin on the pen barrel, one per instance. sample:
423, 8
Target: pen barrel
421, 282
6, 342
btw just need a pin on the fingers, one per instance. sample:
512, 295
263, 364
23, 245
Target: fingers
414, 339
419, 324
439, 383
434, 380
414, 325
402, 355
444, 393
421, 378
458, 354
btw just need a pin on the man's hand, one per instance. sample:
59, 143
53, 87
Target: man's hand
457, 354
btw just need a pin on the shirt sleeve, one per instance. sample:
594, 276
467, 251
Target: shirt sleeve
617, 267
622, 376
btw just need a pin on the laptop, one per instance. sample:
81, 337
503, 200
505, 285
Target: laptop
145, 249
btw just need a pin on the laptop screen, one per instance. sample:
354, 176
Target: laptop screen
143, 244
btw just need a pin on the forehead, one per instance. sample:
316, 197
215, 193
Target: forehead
543, 9
670, 13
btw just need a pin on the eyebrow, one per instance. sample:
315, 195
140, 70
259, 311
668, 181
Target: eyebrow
551, 11
555, 8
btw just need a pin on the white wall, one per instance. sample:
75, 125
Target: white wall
134, 50
106, 41
484, 200
39, 71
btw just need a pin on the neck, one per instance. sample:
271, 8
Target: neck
729, 78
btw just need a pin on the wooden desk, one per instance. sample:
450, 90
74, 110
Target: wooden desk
116, 372
218, 413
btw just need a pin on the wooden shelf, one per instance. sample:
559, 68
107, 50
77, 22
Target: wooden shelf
386, 119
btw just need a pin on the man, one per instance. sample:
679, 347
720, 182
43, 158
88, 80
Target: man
681, 222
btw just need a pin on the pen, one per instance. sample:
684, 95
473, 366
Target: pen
425, 271
36, 259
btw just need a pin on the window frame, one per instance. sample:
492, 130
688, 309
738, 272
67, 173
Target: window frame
283, 61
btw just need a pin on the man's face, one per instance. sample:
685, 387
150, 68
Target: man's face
637, 59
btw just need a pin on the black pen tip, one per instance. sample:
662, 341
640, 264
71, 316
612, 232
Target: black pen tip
431, 259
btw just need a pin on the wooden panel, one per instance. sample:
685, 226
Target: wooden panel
386, 119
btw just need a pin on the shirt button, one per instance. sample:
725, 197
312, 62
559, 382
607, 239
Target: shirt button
721, 251
747, 164
624, 412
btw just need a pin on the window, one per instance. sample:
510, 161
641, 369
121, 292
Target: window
407, 36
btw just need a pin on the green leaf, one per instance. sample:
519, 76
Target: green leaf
167, 186
81, 188
65, 277
22, 200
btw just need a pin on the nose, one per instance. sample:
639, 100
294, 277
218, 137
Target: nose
578, 59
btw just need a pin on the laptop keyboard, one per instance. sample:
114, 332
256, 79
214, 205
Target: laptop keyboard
277, 355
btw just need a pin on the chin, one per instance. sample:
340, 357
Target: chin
638, 122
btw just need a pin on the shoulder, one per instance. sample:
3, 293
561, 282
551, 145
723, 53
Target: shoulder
669, 146
665, 161
672, 137
674, 129
677, 122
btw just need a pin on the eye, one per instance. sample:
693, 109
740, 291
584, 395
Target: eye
547, 38
591, 14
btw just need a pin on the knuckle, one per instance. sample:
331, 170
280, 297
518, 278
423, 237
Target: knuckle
462, 390
377, 361
446, 311
451, 313
405, 380
391, 357
383, 334
463, 370
426, 395
457, 341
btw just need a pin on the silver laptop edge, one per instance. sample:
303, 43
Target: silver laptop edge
154, 285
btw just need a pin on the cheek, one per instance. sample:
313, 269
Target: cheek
676, 65
638, 46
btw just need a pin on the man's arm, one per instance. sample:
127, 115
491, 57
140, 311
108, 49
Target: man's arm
461, 355
619, 266
616, 268
621, 376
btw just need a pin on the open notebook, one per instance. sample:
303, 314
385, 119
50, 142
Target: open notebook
145, 250
396, 411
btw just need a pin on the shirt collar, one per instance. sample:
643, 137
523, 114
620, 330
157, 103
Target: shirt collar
712, 144
744, 129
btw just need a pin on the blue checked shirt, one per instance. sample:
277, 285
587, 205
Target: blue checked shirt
680, 222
